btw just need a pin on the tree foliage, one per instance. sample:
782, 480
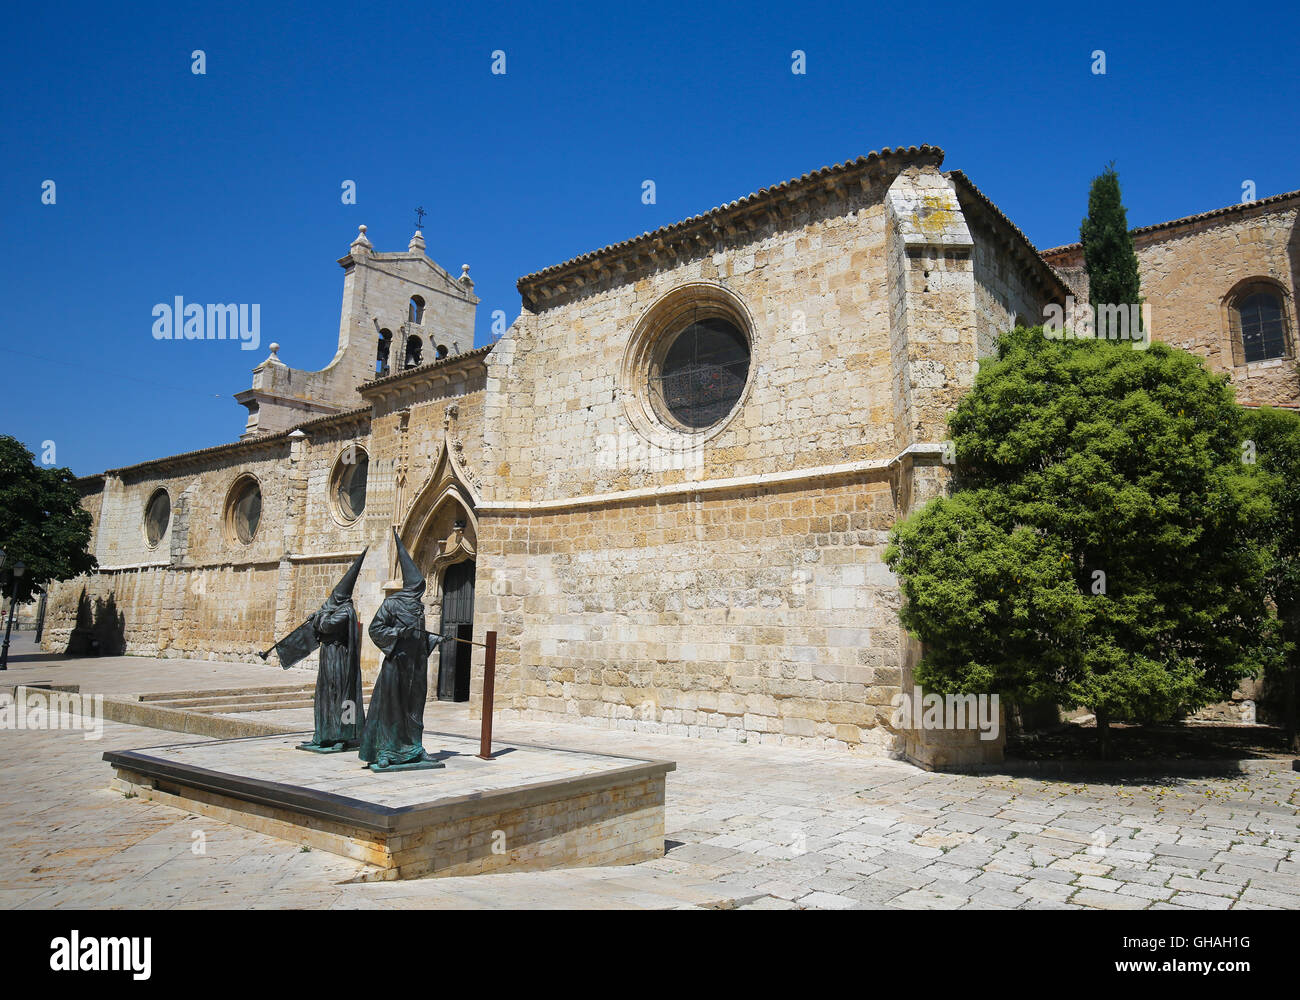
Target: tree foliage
1100, 546
1274, 439
1108, 253
42, 522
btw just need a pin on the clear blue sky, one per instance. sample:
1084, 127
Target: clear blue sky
226, 187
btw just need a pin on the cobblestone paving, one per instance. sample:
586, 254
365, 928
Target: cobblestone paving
116, 675
748, 826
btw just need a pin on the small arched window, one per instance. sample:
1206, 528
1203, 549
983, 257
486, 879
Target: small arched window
244, 509
381, 357
442, 351
1257, 315
416, 311
413, 348
157, 515
348, 483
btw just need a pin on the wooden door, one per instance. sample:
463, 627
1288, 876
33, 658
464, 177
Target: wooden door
457, 620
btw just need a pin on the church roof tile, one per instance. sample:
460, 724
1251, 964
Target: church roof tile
685, 232
1186, 220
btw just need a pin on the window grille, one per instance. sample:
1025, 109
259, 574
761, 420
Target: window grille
703, 372
1262, 331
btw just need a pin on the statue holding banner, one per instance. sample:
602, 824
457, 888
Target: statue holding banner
338, 710
393, 739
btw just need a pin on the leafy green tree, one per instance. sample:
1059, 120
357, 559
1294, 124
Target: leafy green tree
42, 522
1273, 443
1100, 545
1108, 253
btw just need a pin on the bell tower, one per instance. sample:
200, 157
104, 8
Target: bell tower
400, 310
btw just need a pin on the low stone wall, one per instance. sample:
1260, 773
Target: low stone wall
603, 811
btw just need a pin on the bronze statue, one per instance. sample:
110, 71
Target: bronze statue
394, 734
339, 714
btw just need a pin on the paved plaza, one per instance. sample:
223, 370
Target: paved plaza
747, 827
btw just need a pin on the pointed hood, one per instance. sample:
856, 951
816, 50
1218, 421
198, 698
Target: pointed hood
343, 589
412, 578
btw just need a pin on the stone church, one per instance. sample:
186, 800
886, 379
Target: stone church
668, 486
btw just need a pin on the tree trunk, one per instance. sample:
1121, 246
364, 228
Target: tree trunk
1103, 732
1289, 712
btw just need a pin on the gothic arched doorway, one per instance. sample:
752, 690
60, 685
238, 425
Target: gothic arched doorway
457, 621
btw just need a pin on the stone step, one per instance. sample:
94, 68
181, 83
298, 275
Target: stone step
234, 701
307, 700
208, 693
262, 706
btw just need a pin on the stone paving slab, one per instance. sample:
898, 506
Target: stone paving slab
118, 675
797, 822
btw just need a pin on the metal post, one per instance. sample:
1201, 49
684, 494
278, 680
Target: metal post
14, 573
4, 653
489, 689
40, 616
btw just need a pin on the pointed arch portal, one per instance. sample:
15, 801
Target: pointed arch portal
441, 531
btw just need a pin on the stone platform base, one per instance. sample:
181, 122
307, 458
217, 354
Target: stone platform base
530, 807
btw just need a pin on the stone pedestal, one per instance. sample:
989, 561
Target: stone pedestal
530, 807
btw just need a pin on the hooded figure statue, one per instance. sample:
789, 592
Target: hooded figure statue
339, 714
394, 733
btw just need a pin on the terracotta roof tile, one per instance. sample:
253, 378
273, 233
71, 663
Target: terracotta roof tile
249, 444
794, 186
1186, 220
1028, 250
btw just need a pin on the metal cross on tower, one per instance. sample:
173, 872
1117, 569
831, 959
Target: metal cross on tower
419, 218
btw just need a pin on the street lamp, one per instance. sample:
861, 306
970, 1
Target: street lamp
15, 575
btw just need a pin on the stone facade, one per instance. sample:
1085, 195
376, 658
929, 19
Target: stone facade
723, 580
1191, 269
731, 583
202, 594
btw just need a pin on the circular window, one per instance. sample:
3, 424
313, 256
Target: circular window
157, 515
687, 366
349, 483
244, 509
700, 375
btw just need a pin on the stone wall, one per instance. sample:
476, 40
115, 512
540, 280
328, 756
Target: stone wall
1189, 270
730, 583
200, 592
1002, 299
763, 614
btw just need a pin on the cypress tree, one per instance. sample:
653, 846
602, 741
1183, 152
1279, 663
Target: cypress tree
1108, 252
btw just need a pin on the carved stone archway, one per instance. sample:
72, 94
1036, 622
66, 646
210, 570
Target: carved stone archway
440, 528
